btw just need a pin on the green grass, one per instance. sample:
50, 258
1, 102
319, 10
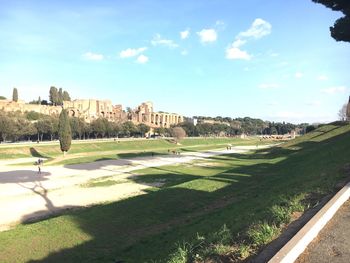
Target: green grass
82, 152
225, 206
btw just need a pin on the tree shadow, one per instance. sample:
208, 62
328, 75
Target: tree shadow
35, 153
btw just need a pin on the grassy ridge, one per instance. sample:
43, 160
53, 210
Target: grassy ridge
225, 206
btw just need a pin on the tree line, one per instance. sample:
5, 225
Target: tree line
226, 126
16, 126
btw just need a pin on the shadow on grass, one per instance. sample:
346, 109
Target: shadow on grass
148, 226
35, 153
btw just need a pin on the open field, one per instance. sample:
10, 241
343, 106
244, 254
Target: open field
102, 150
222, 207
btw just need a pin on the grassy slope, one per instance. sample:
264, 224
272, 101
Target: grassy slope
238, 191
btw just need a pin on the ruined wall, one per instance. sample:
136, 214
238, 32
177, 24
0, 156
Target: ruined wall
91, 109
12, 106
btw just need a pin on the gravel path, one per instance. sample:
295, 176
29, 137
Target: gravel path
26, 195
333, 242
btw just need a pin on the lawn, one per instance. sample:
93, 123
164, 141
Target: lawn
82, 152
220, 208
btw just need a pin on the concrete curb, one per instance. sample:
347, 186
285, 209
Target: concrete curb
296, 246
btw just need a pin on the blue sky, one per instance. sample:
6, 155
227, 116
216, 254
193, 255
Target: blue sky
273, 60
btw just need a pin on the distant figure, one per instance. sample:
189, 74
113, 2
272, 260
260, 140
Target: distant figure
39, 163
152, 154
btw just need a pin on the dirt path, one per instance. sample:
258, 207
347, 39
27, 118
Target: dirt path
26, 195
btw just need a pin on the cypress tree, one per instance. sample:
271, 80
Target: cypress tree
64, 131
15, 95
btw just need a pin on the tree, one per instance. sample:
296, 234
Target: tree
64, 131
53, 95
341, 29
178, 133
60, 97
77, 126
2, 98
99, 127
39, 100
15, 94
143, 129
6, 126
342, 113
128, 128
66, 96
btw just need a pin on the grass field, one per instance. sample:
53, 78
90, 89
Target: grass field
101, 150
224, 207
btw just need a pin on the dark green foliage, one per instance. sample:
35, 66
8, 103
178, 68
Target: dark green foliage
341, 29
15, 94
60, 97
310, 128
64, 131
53, 95
2, 98
6, 126
143, 129
66, 96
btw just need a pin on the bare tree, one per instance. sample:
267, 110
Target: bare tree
342, 113
178, 133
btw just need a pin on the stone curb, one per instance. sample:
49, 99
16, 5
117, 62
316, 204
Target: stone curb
296, 246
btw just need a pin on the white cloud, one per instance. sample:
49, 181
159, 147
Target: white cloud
258, 29
159, 41
238, 43
131, 52
185, 34
298, 75
142, 59
207, 35
92, 56
322, 77
236, 53
335, 90
269, 86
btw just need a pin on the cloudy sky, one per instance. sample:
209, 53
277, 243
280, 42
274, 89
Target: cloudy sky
273, 60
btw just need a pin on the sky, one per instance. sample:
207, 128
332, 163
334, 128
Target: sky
273, 60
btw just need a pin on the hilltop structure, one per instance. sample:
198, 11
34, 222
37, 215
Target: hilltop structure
91, 109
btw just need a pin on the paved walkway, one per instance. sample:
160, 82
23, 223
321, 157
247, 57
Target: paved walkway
333, 242
25, 194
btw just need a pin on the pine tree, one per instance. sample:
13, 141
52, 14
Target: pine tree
64, 131
15, 95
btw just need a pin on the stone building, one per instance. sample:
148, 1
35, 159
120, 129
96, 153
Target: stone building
91, 109
144, 114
